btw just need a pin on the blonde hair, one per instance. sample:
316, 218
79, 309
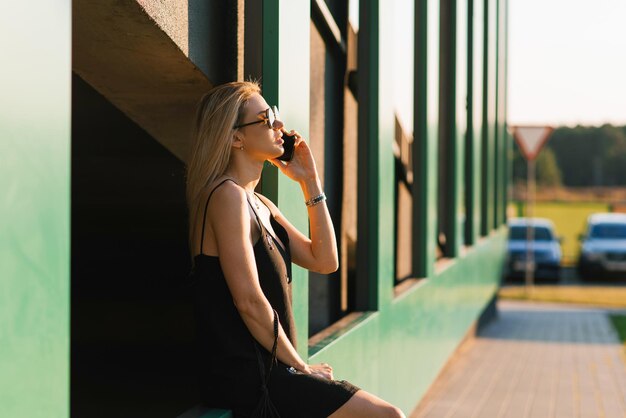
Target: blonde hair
218, 111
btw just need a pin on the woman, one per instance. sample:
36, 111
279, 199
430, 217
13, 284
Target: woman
243, 249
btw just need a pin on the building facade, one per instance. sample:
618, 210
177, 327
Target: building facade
404, 105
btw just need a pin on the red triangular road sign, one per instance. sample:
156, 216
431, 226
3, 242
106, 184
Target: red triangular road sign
531, 138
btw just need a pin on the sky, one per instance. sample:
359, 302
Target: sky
567, 62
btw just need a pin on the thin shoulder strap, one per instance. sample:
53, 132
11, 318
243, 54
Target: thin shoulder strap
282, 245
206, 206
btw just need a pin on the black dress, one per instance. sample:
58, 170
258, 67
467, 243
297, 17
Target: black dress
236, 372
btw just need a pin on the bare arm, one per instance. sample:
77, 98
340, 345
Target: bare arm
319, 252
323, 243
230, 220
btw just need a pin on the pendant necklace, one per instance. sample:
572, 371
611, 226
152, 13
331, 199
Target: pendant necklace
268, 237
256, 202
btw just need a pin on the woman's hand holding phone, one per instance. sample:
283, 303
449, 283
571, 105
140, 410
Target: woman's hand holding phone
301, 167
289, 141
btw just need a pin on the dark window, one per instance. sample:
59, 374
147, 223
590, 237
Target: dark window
539, 233
403, 145
333, 139
402, 96
129, 261
608, 231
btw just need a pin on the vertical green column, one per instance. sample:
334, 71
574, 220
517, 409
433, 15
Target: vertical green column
497, 163
426, 131
504, 134
506, 144
498, 140
382, 83
369, 154
286, 27
484, 171
457, 160
474, 119
35, 114
489, 116
453, 120
493, 111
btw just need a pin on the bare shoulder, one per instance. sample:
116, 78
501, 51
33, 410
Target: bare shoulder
227, 199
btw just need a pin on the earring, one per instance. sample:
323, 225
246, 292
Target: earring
241, 147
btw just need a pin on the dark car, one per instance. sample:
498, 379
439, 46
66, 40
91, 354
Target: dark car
603, 246
545, 247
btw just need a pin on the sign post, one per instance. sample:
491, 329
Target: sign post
530, 140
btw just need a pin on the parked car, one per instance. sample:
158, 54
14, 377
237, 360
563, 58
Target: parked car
603, 245
545, 246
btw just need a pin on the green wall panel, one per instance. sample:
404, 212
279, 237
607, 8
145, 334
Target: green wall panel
35, 40
397, 352
286, 83
397, 349
432, 123
293, 99
394, 352
384, 153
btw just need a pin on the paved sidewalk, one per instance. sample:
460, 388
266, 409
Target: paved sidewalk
535, 360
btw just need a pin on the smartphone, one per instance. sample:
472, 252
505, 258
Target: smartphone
289, 146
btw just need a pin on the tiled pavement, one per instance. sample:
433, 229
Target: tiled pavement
534, 360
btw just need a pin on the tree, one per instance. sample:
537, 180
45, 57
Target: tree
548, 172
591, 156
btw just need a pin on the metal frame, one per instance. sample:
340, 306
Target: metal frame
328, 28
368, 168
425, 130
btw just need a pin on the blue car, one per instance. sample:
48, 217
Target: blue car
603, 246
546, 248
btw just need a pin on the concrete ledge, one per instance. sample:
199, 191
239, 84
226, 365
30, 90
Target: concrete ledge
122, 52
200, 411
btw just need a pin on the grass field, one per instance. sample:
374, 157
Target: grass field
569, 219
603, 296
619, 322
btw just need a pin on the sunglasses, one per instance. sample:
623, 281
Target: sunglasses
271, 116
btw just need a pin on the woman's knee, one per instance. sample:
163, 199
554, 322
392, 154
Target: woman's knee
367, 405
393, 412
387, 411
